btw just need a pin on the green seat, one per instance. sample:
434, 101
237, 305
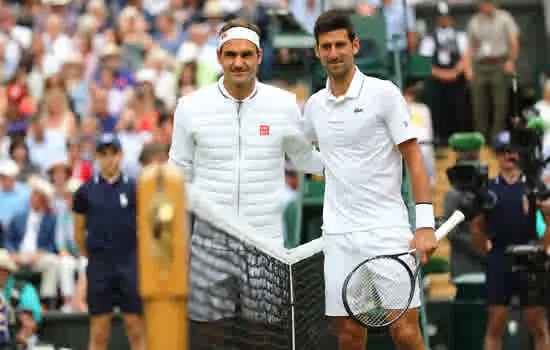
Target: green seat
29, 276
436, 265
372, 58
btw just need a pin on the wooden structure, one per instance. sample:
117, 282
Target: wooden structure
163, 256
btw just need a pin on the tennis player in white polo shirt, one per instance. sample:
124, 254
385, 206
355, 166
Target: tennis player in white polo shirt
362, 126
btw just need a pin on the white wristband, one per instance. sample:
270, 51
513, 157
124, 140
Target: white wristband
425, 216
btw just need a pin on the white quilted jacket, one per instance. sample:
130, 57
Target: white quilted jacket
233, 152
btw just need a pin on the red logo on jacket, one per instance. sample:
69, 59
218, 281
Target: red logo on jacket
264, 130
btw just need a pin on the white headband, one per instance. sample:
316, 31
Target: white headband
239, 33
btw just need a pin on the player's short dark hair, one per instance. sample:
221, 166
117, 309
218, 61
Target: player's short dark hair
238, 22
332, 20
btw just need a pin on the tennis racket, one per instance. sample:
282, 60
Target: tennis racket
380, 289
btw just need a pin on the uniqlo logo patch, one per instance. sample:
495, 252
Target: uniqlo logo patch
224, 35
264, 130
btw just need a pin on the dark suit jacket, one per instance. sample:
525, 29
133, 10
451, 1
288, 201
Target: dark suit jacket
18, 226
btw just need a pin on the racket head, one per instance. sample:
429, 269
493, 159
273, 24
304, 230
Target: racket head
379, 291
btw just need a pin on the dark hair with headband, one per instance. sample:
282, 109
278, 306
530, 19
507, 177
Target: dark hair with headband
236, 23
332, 20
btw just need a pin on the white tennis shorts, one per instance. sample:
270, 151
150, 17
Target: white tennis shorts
343, 252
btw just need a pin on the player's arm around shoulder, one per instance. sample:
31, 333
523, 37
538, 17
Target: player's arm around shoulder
80, 208
182, 149
298, 138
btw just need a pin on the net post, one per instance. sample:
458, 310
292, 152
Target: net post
163, 256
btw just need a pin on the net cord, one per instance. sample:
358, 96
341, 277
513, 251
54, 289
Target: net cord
292, 310
202, 207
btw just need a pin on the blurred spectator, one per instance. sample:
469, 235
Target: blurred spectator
71, 260
446, 47
19, 152
153, 153
168, 35
59, 172
4, 139
132, 140
421, 121
9, 57
45, 146
116, 97
161, 62
22, 298
73, 73
110, 57
89, 131
57, 114
80, 169
145, 101
100, 110
14, 195
30, 238
305, 11
214, 15
135, 40
86, 55
493, 48
400, 22
56, 42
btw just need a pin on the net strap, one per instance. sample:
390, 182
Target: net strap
199, 205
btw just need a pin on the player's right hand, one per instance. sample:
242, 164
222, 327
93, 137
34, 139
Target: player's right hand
425, 243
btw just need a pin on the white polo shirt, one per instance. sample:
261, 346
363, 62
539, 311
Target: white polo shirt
358, 134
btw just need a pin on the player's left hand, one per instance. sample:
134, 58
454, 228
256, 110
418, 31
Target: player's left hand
425, 242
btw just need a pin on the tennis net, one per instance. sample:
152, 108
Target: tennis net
247, 292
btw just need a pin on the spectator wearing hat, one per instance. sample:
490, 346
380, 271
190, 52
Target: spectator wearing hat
81, 169
162, 63
59, 173
73, 72
71, 261
30, 238
45, 146
14, 196
145, 101
507, 223
110, 56
110, 246
19, 152
22, 299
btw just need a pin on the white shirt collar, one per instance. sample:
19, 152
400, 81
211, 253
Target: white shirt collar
226, 93
354, 88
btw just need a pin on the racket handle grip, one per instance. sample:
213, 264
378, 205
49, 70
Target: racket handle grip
449, 224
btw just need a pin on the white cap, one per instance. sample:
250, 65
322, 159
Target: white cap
9, 168
73, 185
38, 184
145, 75
188, 52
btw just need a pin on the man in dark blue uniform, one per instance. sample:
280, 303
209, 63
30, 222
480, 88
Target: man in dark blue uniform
105, 208
508, 224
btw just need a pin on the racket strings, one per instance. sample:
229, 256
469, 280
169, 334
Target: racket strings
379, 292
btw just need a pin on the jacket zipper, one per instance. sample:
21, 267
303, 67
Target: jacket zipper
238, 194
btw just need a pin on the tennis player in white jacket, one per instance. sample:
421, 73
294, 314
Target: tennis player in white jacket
230, 141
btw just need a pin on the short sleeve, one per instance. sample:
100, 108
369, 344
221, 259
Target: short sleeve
511, 24
307, 121
80, 200
427, 47
396, 115
411, 19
